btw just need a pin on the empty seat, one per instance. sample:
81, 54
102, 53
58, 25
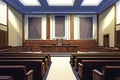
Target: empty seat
17, 71
108, 73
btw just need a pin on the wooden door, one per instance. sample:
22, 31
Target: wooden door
106, 40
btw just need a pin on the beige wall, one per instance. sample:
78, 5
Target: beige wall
3, 27
14, 27
117, 27
3, 12
106, 25
3, 16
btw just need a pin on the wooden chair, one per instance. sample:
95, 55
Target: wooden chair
59, 41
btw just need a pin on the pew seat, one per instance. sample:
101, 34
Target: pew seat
92, 54
37, 65
26, 54
108, 73
6, 77
85, 68
17, 71
44, 59
79, 59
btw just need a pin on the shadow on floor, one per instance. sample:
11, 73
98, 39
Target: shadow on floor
46, 73
75, 73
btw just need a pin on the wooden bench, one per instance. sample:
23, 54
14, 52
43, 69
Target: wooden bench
92, 54
6, 77
85, 68
12, 49
37, 65
44, 59
5, 47
26, 54
17, 71
108, 73
79, 59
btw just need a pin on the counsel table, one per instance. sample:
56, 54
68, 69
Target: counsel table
59, 48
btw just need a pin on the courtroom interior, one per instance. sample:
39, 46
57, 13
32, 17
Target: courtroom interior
59, 39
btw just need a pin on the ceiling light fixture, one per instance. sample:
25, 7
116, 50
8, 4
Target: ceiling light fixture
60, 2
30, 2
91, 3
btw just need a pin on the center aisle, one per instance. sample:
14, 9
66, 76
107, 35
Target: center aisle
60, 69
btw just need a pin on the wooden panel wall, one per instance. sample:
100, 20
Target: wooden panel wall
72, 26
48, 26
118, 38
3, 38
83, 45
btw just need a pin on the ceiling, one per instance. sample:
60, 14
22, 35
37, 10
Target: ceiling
45, 7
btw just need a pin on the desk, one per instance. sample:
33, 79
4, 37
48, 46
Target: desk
59, 48
6, 78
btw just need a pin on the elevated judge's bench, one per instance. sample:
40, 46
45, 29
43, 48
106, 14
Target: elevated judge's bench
59, 47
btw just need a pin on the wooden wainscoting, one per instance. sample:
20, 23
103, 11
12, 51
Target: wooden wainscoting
82, 45
3, 38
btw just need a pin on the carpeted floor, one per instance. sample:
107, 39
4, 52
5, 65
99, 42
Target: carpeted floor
60, 69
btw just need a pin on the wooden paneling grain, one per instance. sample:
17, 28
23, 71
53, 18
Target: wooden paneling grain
72, 26
3, 38
48, 26
82, 45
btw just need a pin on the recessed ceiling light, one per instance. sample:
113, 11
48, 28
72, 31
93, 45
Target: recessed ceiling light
30, 2
60, 2
91, 2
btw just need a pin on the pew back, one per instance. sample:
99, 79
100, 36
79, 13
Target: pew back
17, 71
37, 65
79, 59
92, 54
85, 68
111, 72
26, 55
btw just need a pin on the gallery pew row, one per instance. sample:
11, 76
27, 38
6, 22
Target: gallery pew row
39, 62
80, 59
31, 55
17, 72
108, 73
86, 66
37, 65
13, 49
84, 55
4, 77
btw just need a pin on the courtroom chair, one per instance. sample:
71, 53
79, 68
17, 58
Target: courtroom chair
59, 41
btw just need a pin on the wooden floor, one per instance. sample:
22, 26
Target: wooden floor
60, 69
